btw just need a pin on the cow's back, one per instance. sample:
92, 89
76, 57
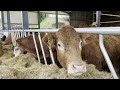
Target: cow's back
93, 55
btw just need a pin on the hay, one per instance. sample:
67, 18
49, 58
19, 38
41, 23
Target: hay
27, 67
7, 72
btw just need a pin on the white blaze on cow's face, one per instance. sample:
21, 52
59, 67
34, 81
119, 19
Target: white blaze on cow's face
17, 51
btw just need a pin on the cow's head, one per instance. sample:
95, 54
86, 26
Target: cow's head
68, 45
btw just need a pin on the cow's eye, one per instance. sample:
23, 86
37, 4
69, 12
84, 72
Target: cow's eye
59, 45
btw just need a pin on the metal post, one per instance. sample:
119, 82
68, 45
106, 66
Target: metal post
38, 19
8, 20
101, 44
93, 16
56, 19
2, 17
42, 48
98, 14
36, 47
25, 22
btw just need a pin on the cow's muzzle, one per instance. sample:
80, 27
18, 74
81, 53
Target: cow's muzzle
76, 68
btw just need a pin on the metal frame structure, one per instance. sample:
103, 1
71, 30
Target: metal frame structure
110, 15
102, 47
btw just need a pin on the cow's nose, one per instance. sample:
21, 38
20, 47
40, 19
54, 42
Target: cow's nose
76, 69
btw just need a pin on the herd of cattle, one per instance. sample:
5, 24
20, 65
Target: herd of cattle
71, 50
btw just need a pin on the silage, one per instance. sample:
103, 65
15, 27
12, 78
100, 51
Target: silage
27, 67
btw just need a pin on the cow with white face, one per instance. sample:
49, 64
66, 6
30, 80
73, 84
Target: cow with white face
68, 45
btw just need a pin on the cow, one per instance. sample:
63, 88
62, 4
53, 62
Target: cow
67, 44
13, 36
22, 41
11, 39
90, 50
26, 44
92, 54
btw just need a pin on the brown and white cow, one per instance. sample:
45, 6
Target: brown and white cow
68, 47
91, 52
26, 44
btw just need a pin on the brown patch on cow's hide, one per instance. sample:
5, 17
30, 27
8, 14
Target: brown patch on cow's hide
92, 53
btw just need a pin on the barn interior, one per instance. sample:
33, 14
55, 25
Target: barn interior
13, 20
34, 19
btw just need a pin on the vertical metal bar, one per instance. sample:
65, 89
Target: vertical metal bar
38, 19
25, 35
21, 34
36, 47
42, 48
51, 54
93, 16
8, 20
25, 22
2, 17
13, 37
18, 34
104, 52
56, 19
98, 17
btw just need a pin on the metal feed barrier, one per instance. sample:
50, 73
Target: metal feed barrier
95, 30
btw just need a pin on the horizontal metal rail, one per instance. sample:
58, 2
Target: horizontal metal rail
95, 30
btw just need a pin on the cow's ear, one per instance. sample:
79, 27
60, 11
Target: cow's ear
49, 39
83, 38
86, 38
